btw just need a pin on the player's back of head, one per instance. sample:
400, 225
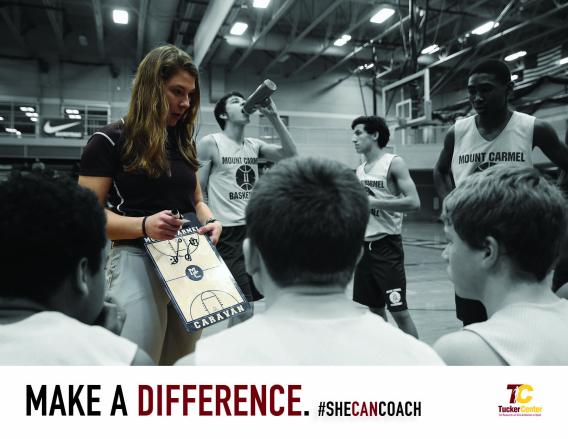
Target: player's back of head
518, 207
307, 217
47, 224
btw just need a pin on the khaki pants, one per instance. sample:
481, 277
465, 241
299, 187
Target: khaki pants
151, 322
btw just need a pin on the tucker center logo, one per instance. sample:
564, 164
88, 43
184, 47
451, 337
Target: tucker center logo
520, 397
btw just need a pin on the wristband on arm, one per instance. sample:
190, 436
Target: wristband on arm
144, 226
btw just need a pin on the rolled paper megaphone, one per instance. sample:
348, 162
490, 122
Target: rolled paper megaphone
264, 91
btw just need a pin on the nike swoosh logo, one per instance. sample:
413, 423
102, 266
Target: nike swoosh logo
54, 129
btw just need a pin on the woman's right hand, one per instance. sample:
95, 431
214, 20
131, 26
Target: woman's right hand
162, 225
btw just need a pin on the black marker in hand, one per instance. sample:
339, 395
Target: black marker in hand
179, 216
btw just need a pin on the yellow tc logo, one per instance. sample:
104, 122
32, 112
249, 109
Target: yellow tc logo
518, 393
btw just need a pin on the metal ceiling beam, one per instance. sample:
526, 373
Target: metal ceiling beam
210, 24
211, 51
550, 22
540, 36
56, 24
329, 27
302, 35
481, 16
412, 34
309, 46
14, 30
141, 29
159, 22
367, 44
188, 13
281, 11
258, 24
231, 18
506, 11
454, 18
500, 34
442, 24
520, 43
98, 13
295, 22
354, 26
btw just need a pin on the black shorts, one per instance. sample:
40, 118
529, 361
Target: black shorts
230, 247
380, 277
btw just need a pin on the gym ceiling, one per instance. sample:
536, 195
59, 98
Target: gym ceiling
303, 39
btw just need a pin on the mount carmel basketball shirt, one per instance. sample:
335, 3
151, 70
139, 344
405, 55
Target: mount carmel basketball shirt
375, 181
472, 153
232, 179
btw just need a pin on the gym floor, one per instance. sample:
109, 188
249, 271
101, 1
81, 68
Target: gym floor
430, 294
429, 290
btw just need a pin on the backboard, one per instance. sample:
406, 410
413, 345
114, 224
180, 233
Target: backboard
406, 102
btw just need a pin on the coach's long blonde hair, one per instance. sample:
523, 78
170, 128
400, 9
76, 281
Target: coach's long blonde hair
146, 122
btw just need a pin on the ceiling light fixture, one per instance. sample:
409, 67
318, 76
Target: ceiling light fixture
484, 28
430, 49
514, 77
120, 16
238, 28
261, 4
365, 66
563, 61
383, 15
516, 55
342, 41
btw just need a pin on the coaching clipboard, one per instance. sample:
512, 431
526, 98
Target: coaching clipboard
199, 284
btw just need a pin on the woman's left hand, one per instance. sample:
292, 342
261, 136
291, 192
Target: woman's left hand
213, 229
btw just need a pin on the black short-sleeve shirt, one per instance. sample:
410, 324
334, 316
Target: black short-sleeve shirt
136, 193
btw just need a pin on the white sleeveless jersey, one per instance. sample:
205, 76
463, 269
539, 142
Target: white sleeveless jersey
472, 153
232, 179
528, 334
53, 338
381, 222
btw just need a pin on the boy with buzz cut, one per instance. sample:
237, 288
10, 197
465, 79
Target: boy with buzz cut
496, 134
380, 275
229, 170
301, 252
505, 228
51, 297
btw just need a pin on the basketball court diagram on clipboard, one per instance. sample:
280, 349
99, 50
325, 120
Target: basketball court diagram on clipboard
197, 280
